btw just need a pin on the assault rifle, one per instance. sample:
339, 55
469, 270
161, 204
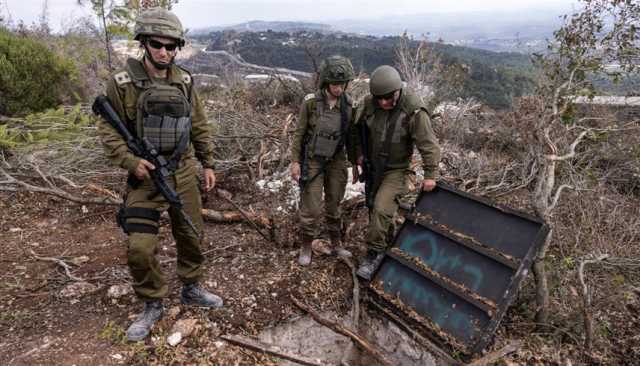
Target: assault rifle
373, 171
367, 172
144, 149
304, 165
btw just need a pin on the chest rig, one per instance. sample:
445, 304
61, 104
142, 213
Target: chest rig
163, 113
329, 134
391, 140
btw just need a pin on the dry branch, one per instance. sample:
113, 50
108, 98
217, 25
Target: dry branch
364, 344
495, 356
249, 219
355, 307
61, 263
271, 349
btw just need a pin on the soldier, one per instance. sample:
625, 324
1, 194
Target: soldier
318, 154
157, 100
392, 121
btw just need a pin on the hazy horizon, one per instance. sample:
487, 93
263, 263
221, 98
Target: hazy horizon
201, 14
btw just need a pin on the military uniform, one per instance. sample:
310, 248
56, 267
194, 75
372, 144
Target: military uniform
314, 115
319, 147
143, 204
412, 127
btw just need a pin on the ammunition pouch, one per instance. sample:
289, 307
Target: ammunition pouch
325, 144
164, 119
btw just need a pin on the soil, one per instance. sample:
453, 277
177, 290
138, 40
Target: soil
42, 324
45, 318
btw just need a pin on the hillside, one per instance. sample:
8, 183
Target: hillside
494, 78
263, 26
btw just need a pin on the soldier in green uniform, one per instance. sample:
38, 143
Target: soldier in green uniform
157, 101
318, 154
393, 120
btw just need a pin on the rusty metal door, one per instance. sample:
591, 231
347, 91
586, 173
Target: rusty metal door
455, 266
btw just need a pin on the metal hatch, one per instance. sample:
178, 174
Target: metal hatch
455, 267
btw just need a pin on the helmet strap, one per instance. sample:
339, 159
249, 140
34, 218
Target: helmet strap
158, 65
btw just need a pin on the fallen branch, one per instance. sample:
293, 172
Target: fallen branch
61, 263
246, 216
495, 356
271, 349
16, 185
355, 307
364, 344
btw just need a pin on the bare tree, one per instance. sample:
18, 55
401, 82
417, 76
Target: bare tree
601, 34
423, 70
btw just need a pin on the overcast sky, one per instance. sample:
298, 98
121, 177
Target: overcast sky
201, 13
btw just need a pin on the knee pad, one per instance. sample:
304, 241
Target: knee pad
139, 226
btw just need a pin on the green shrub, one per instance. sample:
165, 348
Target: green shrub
32, 78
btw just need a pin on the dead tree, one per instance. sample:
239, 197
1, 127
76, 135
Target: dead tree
601, 34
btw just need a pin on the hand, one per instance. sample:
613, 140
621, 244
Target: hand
295, 171
142, 170
209, 179
428, 185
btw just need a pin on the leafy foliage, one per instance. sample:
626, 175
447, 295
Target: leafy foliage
48, 127
32, 78
491, 77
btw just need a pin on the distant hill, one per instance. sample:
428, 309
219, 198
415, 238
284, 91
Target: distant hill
263, 26
493, 77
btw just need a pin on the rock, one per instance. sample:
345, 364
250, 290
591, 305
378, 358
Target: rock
181, 329
77, 289
118, 291
321, 246
173, 312
174, 339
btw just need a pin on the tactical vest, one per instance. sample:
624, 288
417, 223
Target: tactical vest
328, 128
377, 120
163, 114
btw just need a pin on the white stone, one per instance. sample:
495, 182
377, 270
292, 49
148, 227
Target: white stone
174, 339
77, 289
118, 291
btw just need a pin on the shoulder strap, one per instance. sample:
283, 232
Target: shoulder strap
187, 82
138, 74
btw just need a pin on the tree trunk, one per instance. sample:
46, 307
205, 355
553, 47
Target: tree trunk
542, 198
542, 285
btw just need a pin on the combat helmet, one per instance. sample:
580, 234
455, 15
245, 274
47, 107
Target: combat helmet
335, 69
158, 22
384, 80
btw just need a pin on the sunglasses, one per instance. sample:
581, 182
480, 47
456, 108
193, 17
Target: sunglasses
387, 96
159, 45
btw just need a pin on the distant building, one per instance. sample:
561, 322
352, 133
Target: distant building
624, 108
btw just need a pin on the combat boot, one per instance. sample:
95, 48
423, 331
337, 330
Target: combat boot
369, 264
193, 294
141, 327
305, 250
336, 244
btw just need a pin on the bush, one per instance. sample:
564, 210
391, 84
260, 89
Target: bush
32, 78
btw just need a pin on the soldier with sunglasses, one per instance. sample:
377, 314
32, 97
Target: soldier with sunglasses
392, 120
157, 101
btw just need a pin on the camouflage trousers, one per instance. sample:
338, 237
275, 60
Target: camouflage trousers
394, 186
148, 280
332, 183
